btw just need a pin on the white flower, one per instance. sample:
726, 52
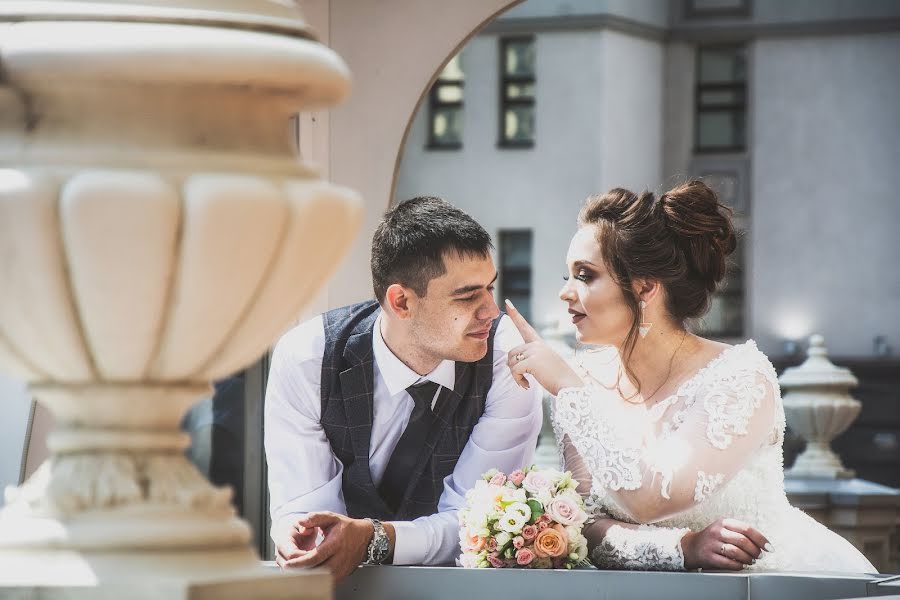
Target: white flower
539, 481
578, 548
515, 495
514, 518
503, 538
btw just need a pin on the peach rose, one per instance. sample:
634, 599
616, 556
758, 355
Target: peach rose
476, 543
551, 543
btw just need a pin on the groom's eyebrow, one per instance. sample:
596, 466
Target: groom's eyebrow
468, 289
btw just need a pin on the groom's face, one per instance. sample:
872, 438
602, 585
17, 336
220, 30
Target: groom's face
452, 321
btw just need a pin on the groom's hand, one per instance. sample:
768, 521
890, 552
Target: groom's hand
344, 546
295, 543
536, 358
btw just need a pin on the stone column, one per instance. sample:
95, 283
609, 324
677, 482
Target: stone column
157, 232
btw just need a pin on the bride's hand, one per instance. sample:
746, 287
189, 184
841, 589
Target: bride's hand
726, 544
538, 359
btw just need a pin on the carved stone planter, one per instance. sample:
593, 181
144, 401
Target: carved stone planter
156, 232
818, 407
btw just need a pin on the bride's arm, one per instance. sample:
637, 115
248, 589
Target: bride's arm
652, 478
616, 545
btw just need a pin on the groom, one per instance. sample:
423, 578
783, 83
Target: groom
381, 415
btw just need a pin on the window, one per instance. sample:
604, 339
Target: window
515, 269
445, 105
725, 318
517, 92
720, 124
717, 8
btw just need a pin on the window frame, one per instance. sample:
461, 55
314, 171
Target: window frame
505, 270
434, 103
738, 107
505, 80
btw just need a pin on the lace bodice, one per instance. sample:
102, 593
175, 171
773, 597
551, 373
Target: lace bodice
682, 463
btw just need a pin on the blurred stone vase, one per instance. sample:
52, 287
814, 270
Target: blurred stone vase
818, 407
157, 232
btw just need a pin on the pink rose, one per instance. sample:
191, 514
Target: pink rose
518, 542
529, 532
496, 561
492, 544
498, 479
542, 525
536, 482
564, 510
517, 477
524, 556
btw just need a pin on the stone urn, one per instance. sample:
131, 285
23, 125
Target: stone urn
818, 407
157, 231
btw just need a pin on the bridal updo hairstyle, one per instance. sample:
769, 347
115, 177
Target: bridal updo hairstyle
681, 239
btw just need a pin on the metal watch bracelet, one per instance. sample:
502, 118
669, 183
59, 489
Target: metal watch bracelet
379, 547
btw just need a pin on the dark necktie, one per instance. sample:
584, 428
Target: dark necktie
409, 448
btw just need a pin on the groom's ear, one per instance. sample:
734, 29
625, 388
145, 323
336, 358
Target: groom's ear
397, 300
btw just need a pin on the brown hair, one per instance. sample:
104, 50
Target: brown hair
680, 239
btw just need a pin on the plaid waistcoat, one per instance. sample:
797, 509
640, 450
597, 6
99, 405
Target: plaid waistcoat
348, 383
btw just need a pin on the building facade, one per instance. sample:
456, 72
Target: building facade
790, 109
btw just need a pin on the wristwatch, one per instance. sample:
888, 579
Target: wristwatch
379, 547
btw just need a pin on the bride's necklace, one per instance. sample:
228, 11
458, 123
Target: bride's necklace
660, 386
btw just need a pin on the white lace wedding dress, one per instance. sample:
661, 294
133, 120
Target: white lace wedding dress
712, 450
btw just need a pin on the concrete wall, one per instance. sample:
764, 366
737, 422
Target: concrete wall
825, 179
599, 124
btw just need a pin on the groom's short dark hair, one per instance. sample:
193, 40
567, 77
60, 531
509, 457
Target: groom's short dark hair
412, 239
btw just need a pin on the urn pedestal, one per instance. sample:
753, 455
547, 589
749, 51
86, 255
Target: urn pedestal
157, 232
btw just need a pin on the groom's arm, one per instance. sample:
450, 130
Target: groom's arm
504, 438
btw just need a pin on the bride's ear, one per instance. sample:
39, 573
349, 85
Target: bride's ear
647, 289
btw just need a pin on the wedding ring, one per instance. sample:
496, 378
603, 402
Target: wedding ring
519, 356
723, 550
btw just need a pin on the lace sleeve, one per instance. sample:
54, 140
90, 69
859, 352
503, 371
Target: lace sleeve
640, 548
653, 474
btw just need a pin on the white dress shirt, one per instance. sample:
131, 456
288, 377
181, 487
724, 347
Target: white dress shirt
305, 475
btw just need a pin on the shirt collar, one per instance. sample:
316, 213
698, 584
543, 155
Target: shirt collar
397, 376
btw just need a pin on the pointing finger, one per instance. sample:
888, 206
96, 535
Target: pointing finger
528, 332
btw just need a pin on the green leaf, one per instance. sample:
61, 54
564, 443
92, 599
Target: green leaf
536, 508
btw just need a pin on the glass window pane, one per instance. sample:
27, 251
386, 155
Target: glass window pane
453, 70
518, 123
726, 316
519, 57
708, 97
449, 93
720, 129
722, 65
520, 90
446, 125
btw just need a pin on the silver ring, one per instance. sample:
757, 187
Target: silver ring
519, 356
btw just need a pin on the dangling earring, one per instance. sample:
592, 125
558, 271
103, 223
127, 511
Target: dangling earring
644, 327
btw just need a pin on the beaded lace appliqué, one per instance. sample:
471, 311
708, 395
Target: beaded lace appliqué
706, 485
646, 548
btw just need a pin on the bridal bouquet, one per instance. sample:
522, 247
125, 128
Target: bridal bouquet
531, 518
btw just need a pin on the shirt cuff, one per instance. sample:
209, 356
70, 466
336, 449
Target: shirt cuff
410, 544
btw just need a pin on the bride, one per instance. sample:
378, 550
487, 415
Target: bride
676, 440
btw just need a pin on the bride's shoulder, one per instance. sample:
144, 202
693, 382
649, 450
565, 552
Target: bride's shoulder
745, 358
